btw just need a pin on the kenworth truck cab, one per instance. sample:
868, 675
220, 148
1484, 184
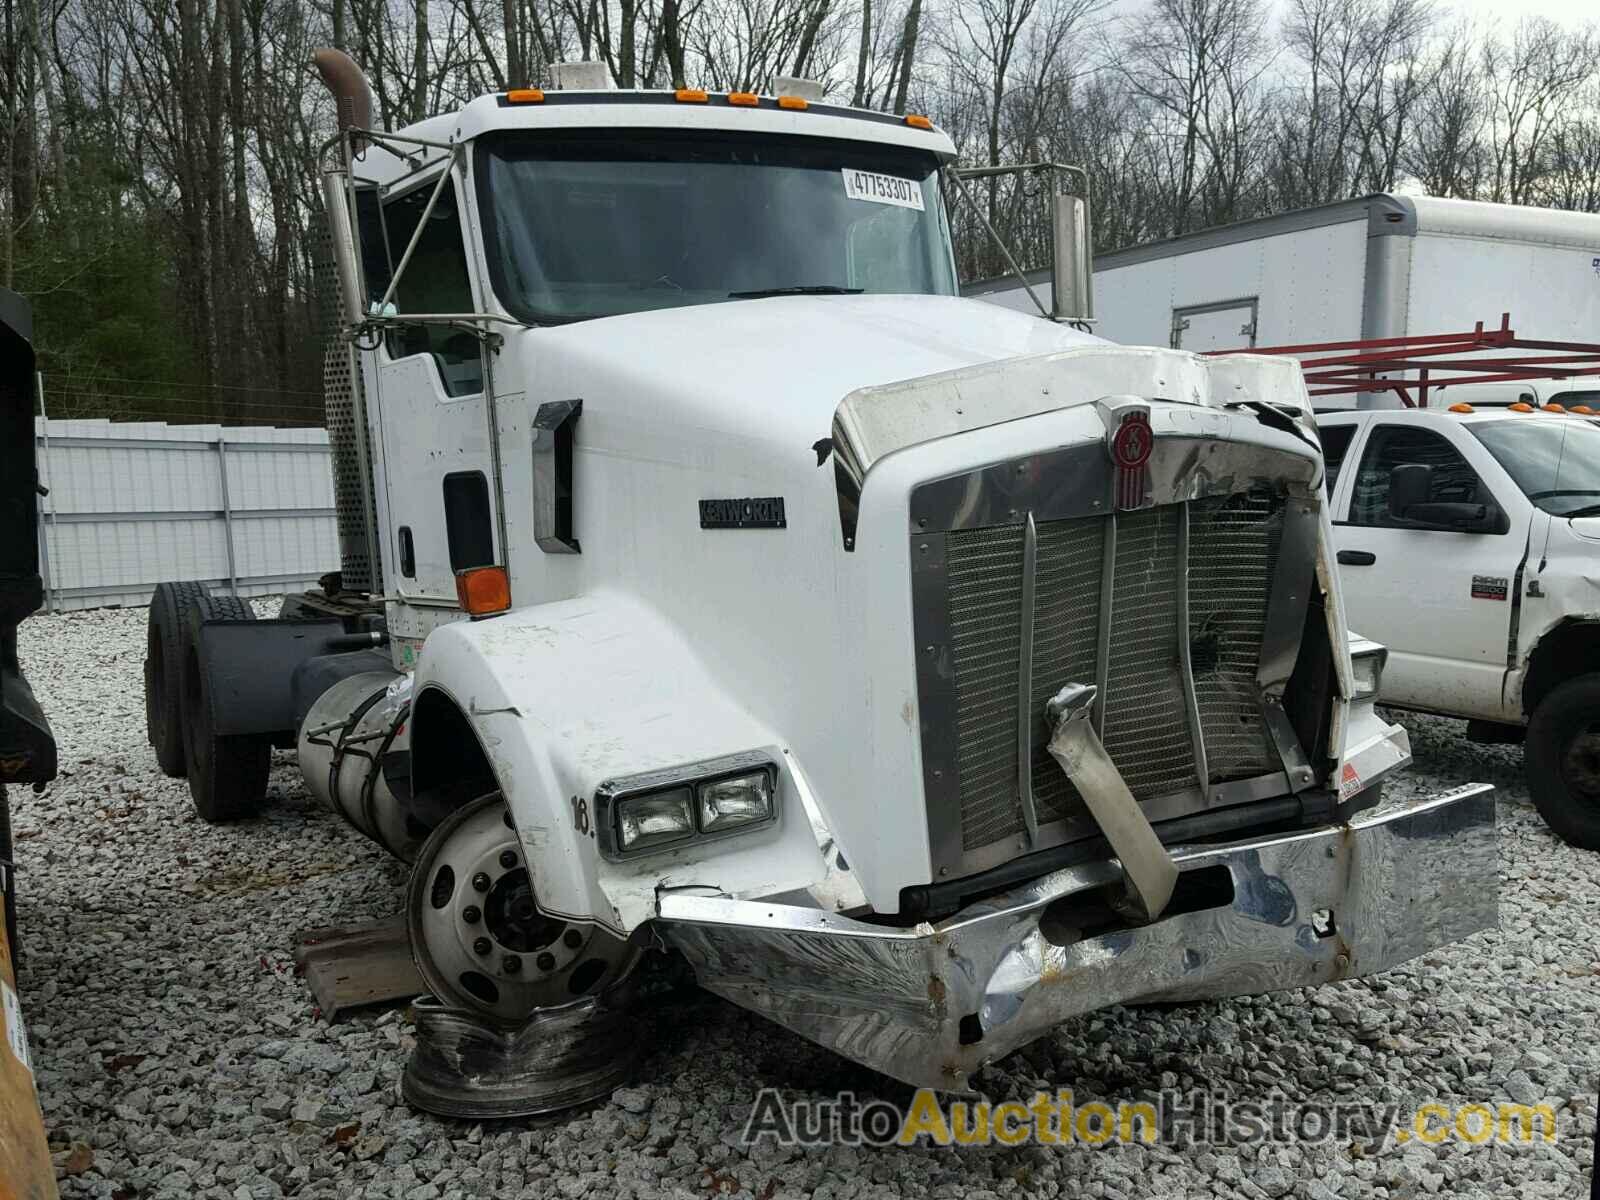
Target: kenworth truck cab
716, 580
1467, 540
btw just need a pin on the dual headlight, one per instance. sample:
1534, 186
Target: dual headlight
694, 808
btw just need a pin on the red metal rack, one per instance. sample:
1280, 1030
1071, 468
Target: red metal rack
1477, 356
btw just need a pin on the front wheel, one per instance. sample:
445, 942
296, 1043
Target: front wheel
1563, 760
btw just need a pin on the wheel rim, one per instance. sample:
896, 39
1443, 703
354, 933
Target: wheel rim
1580, 764
479, 940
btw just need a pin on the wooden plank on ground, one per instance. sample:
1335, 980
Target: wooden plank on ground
358, 965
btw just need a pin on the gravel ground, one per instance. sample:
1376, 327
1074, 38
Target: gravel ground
178, 1055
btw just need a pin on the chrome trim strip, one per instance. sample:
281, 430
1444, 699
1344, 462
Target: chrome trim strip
1191, 703
1026, 718
1108, 579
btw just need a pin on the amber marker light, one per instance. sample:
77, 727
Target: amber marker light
525, 96
1519, 407
918, 122
793, 103
483, 591
690, 95
1459, 408
743, 99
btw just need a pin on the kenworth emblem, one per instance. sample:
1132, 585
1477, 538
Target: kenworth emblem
1130, 442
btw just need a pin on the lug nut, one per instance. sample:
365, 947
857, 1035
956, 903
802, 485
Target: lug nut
471, 915
508, 858
511, 964
546, 962
480, 882
572, 938
481, 946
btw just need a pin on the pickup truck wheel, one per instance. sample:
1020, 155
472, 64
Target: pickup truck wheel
1563, 760
227, 773
163, 671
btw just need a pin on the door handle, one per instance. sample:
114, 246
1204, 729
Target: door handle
1356, 558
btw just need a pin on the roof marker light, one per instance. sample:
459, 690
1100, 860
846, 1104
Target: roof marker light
1555, 408
1519, 406
744, 99
793, 103
918, 122
690, 95
525, 96
1583, 410
1462, 408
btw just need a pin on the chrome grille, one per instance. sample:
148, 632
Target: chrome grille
1146, 726
1233, 557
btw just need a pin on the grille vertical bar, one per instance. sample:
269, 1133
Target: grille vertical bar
1146, 721
1234, 542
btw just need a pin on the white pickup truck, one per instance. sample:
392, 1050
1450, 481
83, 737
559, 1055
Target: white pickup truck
1469, 543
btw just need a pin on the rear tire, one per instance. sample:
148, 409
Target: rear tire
227, 773
163, 671
1562, 759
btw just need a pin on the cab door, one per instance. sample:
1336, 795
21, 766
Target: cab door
437, 459
1442, 600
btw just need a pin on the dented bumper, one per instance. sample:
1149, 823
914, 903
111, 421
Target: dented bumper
932, 1004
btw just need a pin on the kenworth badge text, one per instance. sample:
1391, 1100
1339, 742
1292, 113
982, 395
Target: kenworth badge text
716, 580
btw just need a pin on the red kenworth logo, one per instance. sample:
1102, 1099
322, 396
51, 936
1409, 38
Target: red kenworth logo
1130, 448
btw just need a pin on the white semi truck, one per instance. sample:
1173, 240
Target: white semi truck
716, 579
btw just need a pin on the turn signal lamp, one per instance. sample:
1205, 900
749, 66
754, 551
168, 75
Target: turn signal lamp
918, 122
690, 95
743, 99
1519, 406
525, 96
793, 103
1459, 408
483, 591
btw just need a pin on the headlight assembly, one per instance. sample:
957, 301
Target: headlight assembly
1367, 659
686, 805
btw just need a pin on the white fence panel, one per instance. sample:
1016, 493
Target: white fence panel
246, 509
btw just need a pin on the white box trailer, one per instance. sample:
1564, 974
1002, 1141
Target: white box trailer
1375, 267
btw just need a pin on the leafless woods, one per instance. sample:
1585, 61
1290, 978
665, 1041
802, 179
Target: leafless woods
157, 157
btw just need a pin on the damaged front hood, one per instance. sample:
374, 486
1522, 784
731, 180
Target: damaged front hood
776, 369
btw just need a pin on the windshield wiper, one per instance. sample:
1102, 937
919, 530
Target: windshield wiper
810, 289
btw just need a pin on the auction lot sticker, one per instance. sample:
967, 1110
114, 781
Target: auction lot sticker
882, 189
16, 1035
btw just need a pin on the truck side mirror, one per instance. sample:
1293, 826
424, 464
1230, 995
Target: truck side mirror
1410, 484
1071, 249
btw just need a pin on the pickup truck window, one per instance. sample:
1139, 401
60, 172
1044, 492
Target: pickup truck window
1391, 446
615, 222
1556, 462
1335, 444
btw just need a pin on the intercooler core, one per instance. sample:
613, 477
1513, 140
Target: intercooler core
1165, 609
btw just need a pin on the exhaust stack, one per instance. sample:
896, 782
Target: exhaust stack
352, 94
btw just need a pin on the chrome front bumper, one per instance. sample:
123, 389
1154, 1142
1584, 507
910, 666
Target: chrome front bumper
1331, 903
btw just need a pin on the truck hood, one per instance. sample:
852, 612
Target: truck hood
780, 366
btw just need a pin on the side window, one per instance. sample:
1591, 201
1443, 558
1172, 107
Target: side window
434, 281
1335, 443
1391, 446
468, 529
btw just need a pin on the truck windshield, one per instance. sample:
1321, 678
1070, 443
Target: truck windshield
1555, 461
595, 223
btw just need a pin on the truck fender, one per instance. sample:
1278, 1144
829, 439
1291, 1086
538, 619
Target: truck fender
569, 696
